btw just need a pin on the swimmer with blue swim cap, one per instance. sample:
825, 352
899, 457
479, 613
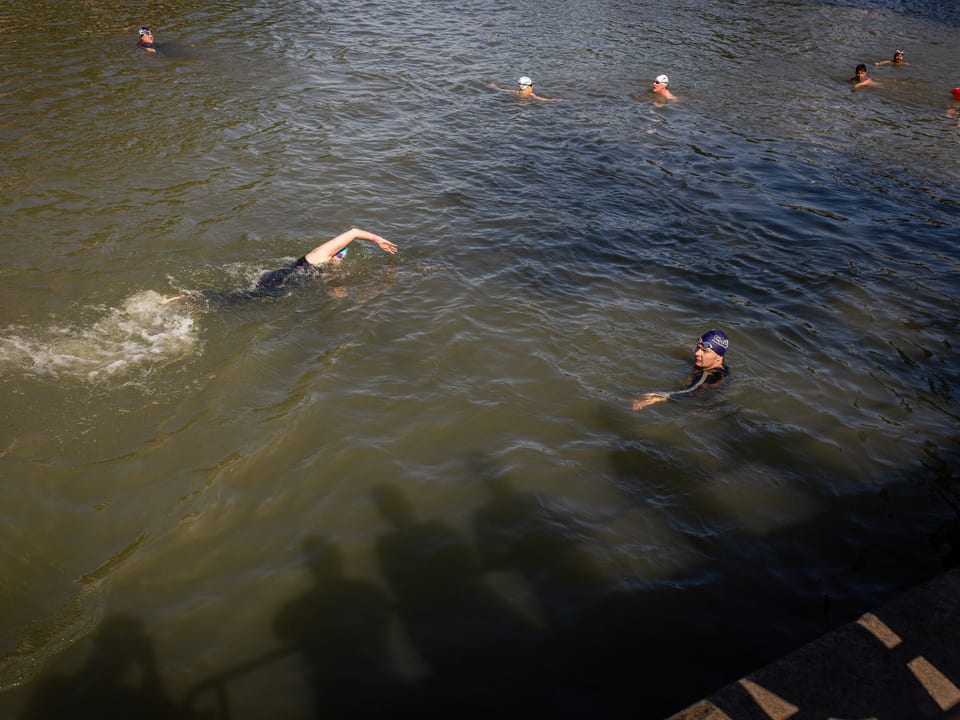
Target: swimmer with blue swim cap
145, 42
708, 368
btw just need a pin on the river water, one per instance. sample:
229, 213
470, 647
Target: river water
418, 484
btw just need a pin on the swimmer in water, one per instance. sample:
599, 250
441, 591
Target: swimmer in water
897, 60
525, 91
330, 253
708, 369
861, 79
954, 112
660, 89
146, 40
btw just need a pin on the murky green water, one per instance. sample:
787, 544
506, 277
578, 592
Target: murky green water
419, 482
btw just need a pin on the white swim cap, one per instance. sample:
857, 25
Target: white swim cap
525, 81
662, 79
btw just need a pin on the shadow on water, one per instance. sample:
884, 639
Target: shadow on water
119, 680
340, 628
591, 645
476, 645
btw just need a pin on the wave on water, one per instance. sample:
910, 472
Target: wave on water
145, 332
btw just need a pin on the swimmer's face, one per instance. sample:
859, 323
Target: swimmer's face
861, 74
147, 36
706, 359
898, 57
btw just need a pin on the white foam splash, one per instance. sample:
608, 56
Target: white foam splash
146, 331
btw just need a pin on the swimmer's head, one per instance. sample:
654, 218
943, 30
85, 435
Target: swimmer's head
144, 30
341, 255
898, 54
714, 340
525, 82
661, 80
956, 93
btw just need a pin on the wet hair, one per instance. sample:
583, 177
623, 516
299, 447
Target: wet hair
860, 67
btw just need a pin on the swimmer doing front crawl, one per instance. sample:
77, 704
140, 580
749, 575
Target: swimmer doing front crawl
330, 253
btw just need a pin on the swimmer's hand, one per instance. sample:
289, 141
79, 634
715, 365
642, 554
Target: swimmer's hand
649, 399
384, 244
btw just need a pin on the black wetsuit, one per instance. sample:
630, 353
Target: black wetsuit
713, 377
701, 379
270, 284
274, 282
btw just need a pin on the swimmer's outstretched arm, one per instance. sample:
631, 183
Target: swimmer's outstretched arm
322, 254
494, 85
652, 398
649, 399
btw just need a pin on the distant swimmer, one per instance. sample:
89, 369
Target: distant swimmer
861, 79
525, 91
708, 369
897, 60
146, 40
329, 254
954, 110
660, 88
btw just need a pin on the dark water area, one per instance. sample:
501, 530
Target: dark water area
417, 483
938, 11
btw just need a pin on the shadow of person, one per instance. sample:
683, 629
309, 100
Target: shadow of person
341, 628
518, 532
119, 680
476, 644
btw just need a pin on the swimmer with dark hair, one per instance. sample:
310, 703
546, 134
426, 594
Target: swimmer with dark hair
861, 79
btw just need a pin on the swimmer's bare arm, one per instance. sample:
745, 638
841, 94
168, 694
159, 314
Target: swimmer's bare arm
322, 254
537, 97
649, 399
514, 92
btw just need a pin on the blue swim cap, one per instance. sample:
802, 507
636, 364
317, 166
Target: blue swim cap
715, 340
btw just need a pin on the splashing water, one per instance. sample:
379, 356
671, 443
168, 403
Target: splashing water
145, 332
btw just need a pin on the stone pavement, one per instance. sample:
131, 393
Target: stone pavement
899, 662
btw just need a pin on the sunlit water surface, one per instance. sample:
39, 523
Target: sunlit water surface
420, 482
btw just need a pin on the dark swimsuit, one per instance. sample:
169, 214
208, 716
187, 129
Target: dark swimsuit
703, 378
273, 282
713, 377
270, 284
